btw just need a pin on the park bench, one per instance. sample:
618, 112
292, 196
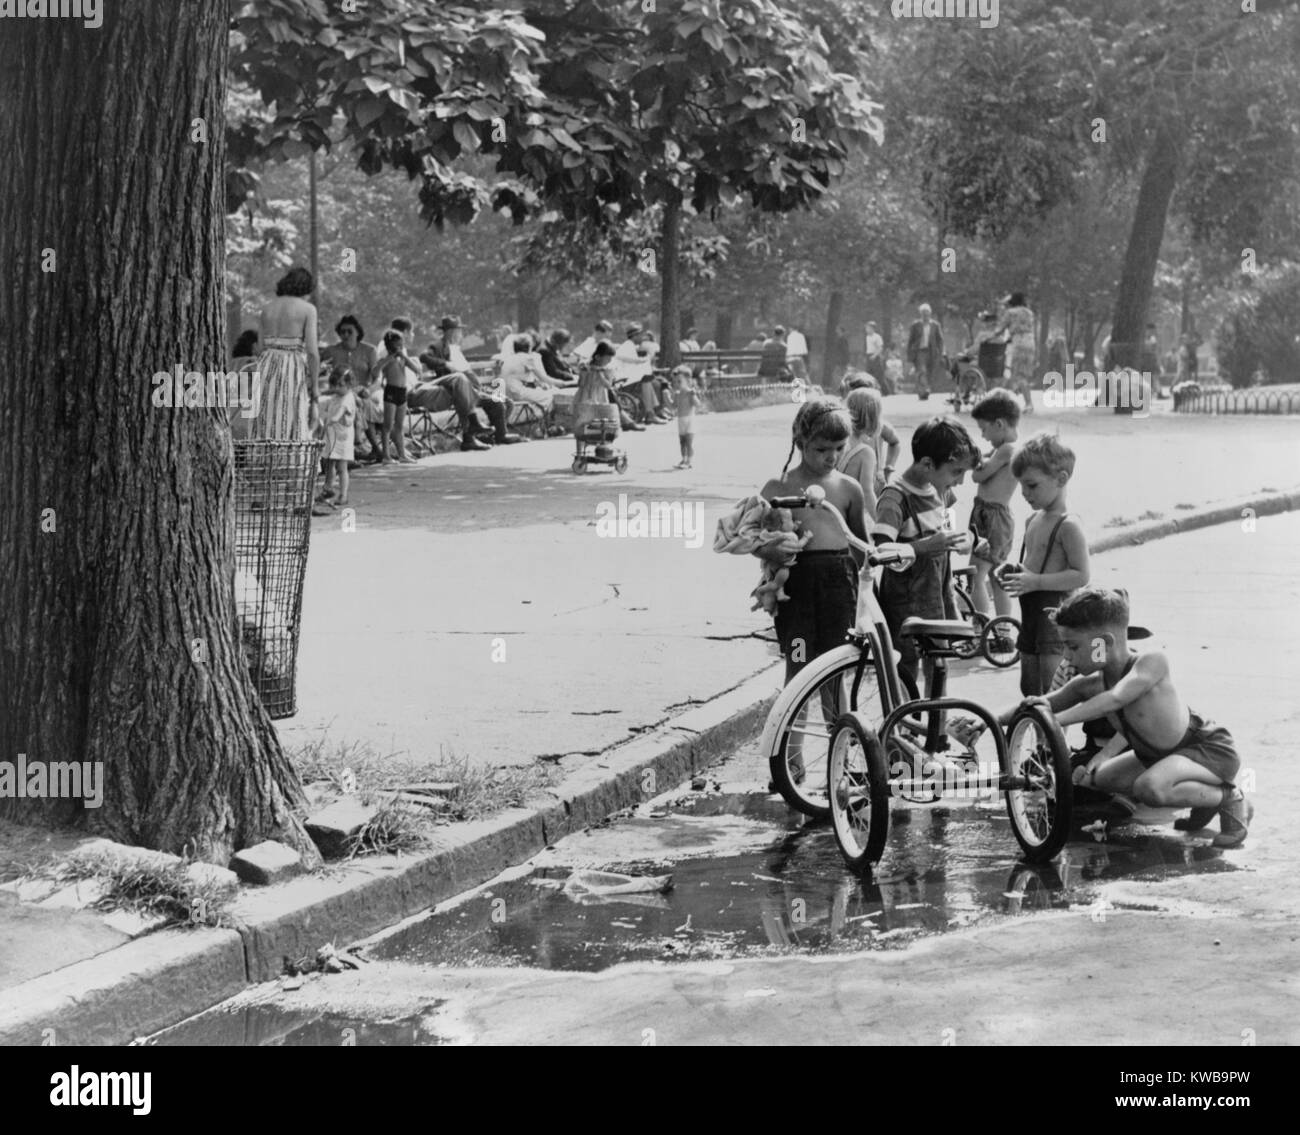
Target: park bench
739, 364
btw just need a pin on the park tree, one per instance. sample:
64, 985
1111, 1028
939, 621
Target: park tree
116, 552
118, 641
721, 103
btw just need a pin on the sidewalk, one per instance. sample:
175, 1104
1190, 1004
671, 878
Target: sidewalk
475, 607
598, 640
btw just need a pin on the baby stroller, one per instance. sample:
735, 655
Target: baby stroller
596, 424
968, 382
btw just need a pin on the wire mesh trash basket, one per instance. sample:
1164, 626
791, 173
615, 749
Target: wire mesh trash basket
273, 492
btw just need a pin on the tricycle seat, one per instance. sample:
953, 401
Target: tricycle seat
938, 628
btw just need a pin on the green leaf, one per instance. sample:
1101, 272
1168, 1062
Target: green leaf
366, 112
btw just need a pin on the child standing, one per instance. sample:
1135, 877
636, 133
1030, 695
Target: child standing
392, 369
860, 460
1054, 542
998, 415
913, 509
687, 399
338, 416
823, 582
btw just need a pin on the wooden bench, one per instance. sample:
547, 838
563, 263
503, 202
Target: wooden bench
742, 364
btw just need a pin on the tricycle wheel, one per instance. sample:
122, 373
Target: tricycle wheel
620, 465
1040, 810
579, 465
998, 642
859, 791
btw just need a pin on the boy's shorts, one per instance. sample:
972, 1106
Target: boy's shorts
395, 395
1209, 745
1038, 633
994, 522
822, 604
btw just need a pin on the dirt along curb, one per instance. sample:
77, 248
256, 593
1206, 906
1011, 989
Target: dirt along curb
156, 981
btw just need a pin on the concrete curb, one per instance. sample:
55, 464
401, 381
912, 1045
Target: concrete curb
158, 980
1137, 534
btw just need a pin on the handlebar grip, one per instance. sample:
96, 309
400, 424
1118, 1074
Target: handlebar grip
789, 502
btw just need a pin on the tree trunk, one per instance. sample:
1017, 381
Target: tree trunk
834, 313
528, 307
313, 222
886, 300
722, 327
1137, 278
670, 316
118, 639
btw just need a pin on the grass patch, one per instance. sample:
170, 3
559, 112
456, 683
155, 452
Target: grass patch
143, 888
1125, 521
473, 793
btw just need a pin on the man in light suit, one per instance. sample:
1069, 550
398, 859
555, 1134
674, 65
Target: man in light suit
925, 350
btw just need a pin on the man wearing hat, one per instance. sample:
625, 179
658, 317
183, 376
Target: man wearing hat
634, 366
458, 388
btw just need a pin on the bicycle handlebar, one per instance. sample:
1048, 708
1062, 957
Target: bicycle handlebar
877, 555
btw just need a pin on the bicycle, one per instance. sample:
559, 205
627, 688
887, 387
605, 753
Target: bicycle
832, 728
992, 635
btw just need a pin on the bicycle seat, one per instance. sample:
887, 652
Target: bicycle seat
938, 628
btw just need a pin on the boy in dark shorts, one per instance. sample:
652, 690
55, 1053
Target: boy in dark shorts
997, 415
1174, 758
1057, 549
913, 509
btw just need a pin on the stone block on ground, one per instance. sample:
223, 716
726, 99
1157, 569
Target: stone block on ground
30, 890
333, 827
125, 854
210, 875
267, 862
133, 922
76, 896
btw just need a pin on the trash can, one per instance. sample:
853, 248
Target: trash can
273, 494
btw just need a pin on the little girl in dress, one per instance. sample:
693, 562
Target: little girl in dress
338, 417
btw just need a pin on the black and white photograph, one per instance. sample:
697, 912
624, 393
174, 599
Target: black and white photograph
651, 522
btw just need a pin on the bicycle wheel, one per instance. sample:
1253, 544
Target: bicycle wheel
630, 404
998, 641
859, 791
799, 763
1040, 811
967, 647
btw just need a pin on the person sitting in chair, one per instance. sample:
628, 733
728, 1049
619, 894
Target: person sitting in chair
463, 391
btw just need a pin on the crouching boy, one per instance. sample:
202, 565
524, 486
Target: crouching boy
1163, 753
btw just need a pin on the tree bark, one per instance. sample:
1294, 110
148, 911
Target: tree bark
670, 316
722, 328
528, 307
1137, 279
118, 638
834, 313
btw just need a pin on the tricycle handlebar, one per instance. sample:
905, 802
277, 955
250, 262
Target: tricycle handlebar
877, 555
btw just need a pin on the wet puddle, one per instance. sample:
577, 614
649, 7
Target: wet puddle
275, 1026
945, 868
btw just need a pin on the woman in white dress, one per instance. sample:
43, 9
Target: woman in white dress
525, 375
289, 363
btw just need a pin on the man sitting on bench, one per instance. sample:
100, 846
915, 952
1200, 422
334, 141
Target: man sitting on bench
460, 390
